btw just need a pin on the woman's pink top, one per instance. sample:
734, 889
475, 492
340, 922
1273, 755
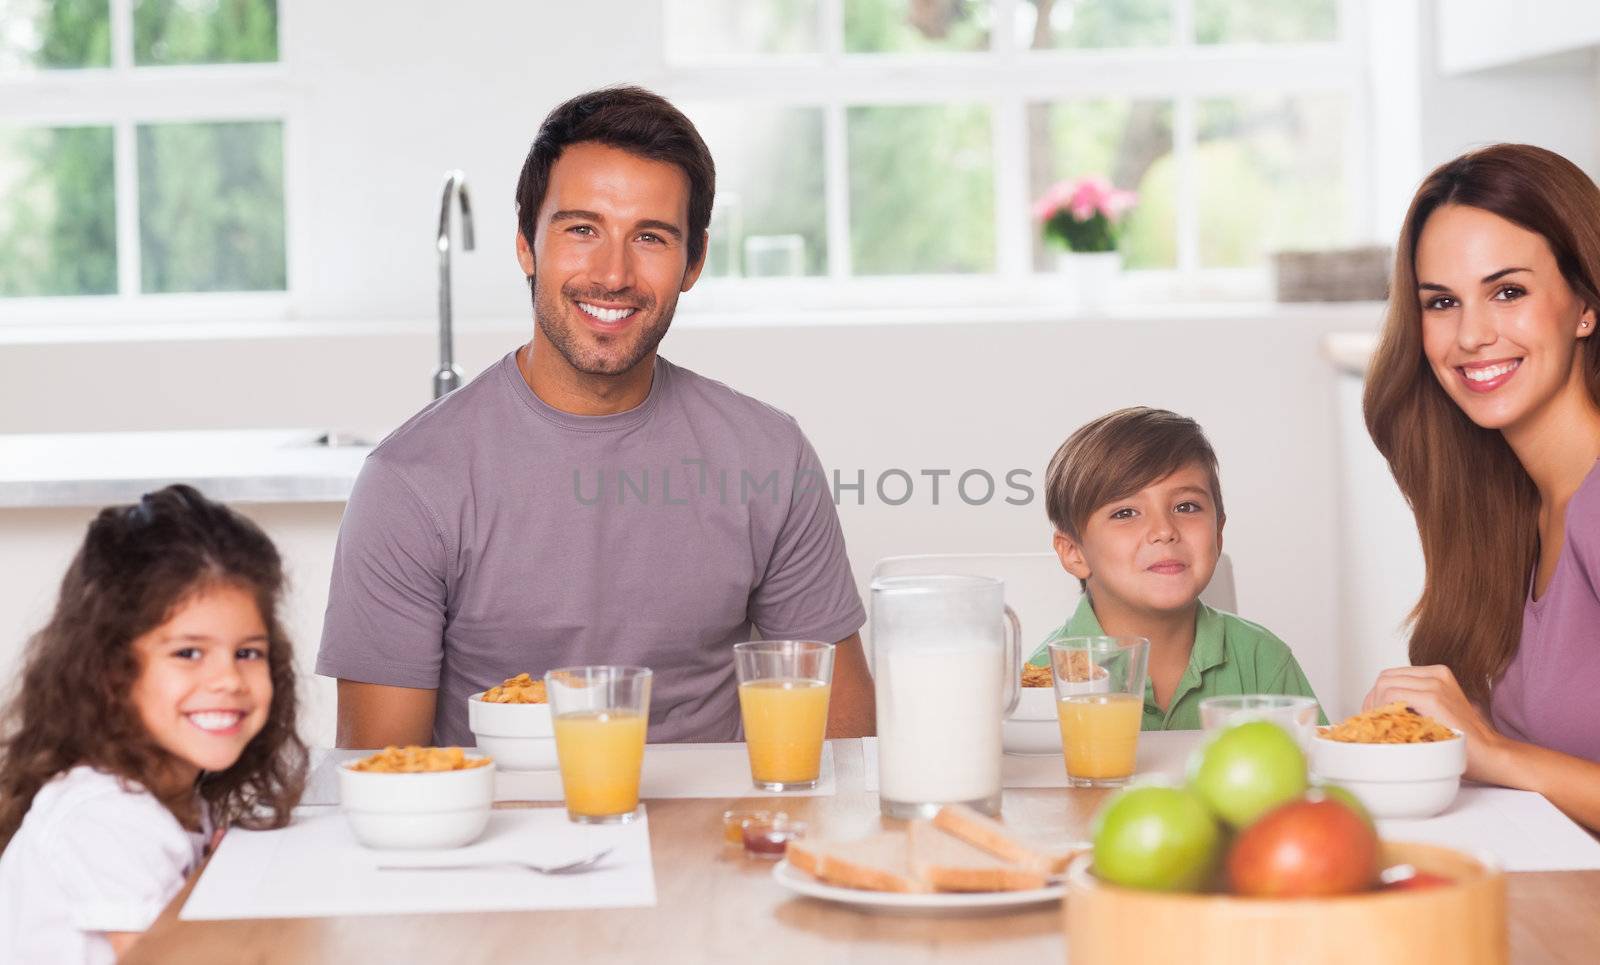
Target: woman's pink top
1550, 692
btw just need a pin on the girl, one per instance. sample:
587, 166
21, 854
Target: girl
156, 705
1484, 395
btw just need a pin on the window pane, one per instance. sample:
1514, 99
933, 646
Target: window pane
54, 33
169, 32
58, 214
770, 216
211, 207
1265, 21
1270, 177
698, 29
1043, 24
916, 26
1127, 142
921, 190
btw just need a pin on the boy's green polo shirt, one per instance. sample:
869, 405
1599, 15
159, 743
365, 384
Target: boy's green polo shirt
1230, 656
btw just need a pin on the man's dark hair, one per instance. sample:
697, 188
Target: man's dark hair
634, 120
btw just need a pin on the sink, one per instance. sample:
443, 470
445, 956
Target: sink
337, 439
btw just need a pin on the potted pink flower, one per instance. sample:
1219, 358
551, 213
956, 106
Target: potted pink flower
1082, 216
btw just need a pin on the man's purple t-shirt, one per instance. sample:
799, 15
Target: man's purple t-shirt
1547, 694
492, 534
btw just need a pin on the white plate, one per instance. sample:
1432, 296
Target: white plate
799, 882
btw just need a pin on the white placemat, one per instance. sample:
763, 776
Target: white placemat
1160, 752
1521, 829
314, 868
669, 771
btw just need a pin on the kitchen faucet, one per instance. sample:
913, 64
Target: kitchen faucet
447, 377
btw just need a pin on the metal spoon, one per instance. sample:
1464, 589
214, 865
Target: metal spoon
570, 868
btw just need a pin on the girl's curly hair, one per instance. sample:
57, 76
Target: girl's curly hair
137, 566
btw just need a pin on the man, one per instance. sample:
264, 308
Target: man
584, 501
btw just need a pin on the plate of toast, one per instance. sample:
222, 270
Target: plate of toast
960, 859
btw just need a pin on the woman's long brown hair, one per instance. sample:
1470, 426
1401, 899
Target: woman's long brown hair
1477, 509
137, 565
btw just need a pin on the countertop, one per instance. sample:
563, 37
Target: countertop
1350, 352
246, 466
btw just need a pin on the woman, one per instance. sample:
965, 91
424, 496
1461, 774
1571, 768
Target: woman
1484, 395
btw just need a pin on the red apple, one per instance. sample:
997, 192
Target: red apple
1302, 849
1335, 792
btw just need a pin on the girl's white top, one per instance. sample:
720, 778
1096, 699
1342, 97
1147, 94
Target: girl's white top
92, 856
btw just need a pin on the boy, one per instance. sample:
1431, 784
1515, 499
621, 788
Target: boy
1137, 510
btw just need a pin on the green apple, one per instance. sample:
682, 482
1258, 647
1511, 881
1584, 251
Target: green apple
1247, 770
1156, 838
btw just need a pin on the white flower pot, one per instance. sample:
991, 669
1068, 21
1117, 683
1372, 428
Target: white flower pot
1091, 276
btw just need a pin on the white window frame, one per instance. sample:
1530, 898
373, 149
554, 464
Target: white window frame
124, 96
1007, 79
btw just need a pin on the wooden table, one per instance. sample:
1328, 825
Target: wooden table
712, 906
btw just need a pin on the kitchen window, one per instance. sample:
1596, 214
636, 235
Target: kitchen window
142, 147
898, 145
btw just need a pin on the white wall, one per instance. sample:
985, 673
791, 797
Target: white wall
1381, 568
406, 89
396, 92
1447, 76
392, 94
1474, 34
1467, 101
991, 395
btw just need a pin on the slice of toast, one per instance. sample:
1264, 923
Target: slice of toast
947, 863
992, 837
877, 863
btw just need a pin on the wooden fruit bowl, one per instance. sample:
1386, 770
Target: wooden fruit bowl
1463, 923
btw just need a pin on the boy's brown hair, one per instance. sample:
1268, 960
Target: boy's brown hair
1119, 454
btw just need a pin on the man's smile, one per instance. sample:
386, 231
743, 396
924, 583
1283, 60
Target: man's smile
605, 315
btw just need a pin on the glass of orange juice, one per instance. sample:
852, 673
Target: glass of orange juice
1099, 684
783, 698
600, 716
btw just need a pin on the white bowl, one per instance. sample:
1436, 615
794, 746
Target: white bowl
1394, 780
434, 809
520, 737
1036, 703
1033, 728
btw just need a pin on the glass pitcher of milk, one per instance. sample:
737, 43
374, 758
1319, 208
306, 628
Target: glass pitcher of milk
947, 657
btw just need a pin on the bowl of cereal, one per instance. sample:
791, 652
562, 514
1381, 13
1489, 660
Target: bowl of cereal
512, 722
1033, 728
417, 797
1400, 763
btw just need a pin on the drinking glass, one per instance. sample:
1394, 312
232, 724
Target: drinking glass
600, 716
1297, 715
783, 698
1099, 685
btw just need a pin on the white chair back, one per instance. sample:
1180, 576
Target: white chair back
1042, 593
